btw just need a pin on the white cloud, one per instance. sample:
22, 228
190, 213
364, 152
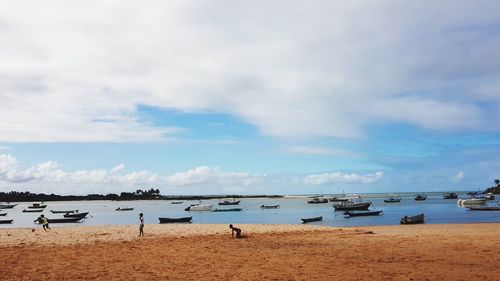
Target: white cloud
205, 175
117, 168
338, 177
459, 177
4, 147
78, 73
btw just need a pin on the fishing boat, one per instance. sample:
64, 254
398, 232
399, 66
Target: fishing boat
483, 208
489, 196
76, 215
392, 198
7, 206
124, 209
306, 220
471, 201
65, 220
32, 210
450, 195
37, 206
228, 210
317, 200
420, 197
3, 214
228, 202
351, 206
6, 221
349, 214
345, 197
413, 220
176, 202
270, 206
200, 207
63, 212
176, 220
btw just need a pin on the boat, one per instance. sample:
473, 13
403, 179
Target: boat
227, 202
63, 212
176, 220
350, 206
472, 201
413, 220
199, 207
76, 215
489, 196
270, 206
6, 221
392, 198
124, 209
64, 220
345, 197
228, 210
7, 206
176, 202
3, 214
37, 206
483, 208
349, 214
317, 200
312, 219
450, 195
420, 197
32, 210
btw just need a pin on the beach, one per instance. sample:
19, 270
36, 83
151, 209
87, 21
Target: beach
268, 252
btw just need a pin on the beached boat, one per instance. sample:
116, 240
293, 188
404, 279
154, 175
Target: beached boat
175, 220
450, 195
6, 221
270, 206
7, 206
351, 206
413, 220
76, 215
65, 220
472, 201
200, 207
37, 206
228, 210
420, 197
349, 214
63, 212
483, 208
32, 210
393, 198
318, 200
3, 214
228, 202
124, 209
176, 202
306, 220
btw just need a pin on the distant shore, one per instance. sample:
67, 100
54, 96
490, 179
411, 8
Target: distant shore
269, 252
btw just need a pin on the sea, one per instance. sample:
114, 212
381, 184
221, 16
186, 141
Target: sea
292, 209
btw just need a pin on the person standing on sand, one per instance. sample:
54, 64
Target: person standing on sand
44, 221
141, 225
235, 230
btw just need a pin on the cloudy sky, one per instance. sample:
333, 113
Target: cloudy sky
275, 97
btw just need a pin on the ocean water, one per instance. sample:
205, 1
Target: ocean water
436, 209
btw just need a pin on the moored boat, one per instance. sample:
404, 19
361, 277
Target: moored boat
270, 206
76, 215
124, 209
176, 202
472, 201
32, 210
317, 200
450, 195
6, 221
175, 220
3, 214
228, 210
306, 220
392, 198
413, 220
349, 214
489, 196
63, 212
420, 197
228, 202
200, 207
483, 208
37, 206
65, 220
7, 206
351, 206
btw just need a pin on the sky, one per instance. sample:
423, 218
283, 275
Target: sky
249, 97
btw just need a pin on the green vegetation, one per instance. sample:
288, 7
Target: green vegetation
494, 189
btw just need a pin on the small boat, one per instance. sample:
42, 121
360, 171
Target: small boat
227, 202
351, 206
392, 199
76, 215
37, 206
270, 206
228, 210
349, 214
176, 220
420, 197
312, 219
200, 207
176, 202
450, 195
65, 220
63, 212
413, 220
345, 197
489, 196
32, 210
7, 206
472, 201
317, 200
124, 209
483, 208
6, 221
3, 214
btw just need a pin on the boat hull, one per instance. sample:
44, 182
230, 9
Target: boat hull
306, 220
8, 206
176, 220
270, 206
349, 214
351, 206
413, 220
76, 215
228, 210
32, 210
6, 221
483, 208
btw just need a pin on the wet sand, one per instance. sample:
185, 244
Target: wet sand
269, 252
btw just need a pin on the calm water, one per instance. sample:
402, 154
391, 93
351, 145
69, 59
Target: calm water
436, 210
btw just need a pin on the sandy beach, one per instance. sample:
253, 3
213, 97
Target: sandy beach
268, 252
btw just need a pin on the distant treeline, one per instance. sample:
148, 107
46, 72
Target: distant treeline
151, 194
494, 189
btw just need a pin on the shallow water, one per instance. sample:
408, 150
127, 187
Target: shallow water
436, 210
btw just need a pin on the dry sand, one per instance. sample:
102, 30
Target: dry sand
269, 252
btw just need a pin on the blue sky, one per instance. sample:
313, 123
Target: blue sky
272, 97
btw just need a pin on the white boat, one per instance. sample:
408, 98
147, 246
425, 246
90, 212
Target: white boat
472, 201
200, 207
